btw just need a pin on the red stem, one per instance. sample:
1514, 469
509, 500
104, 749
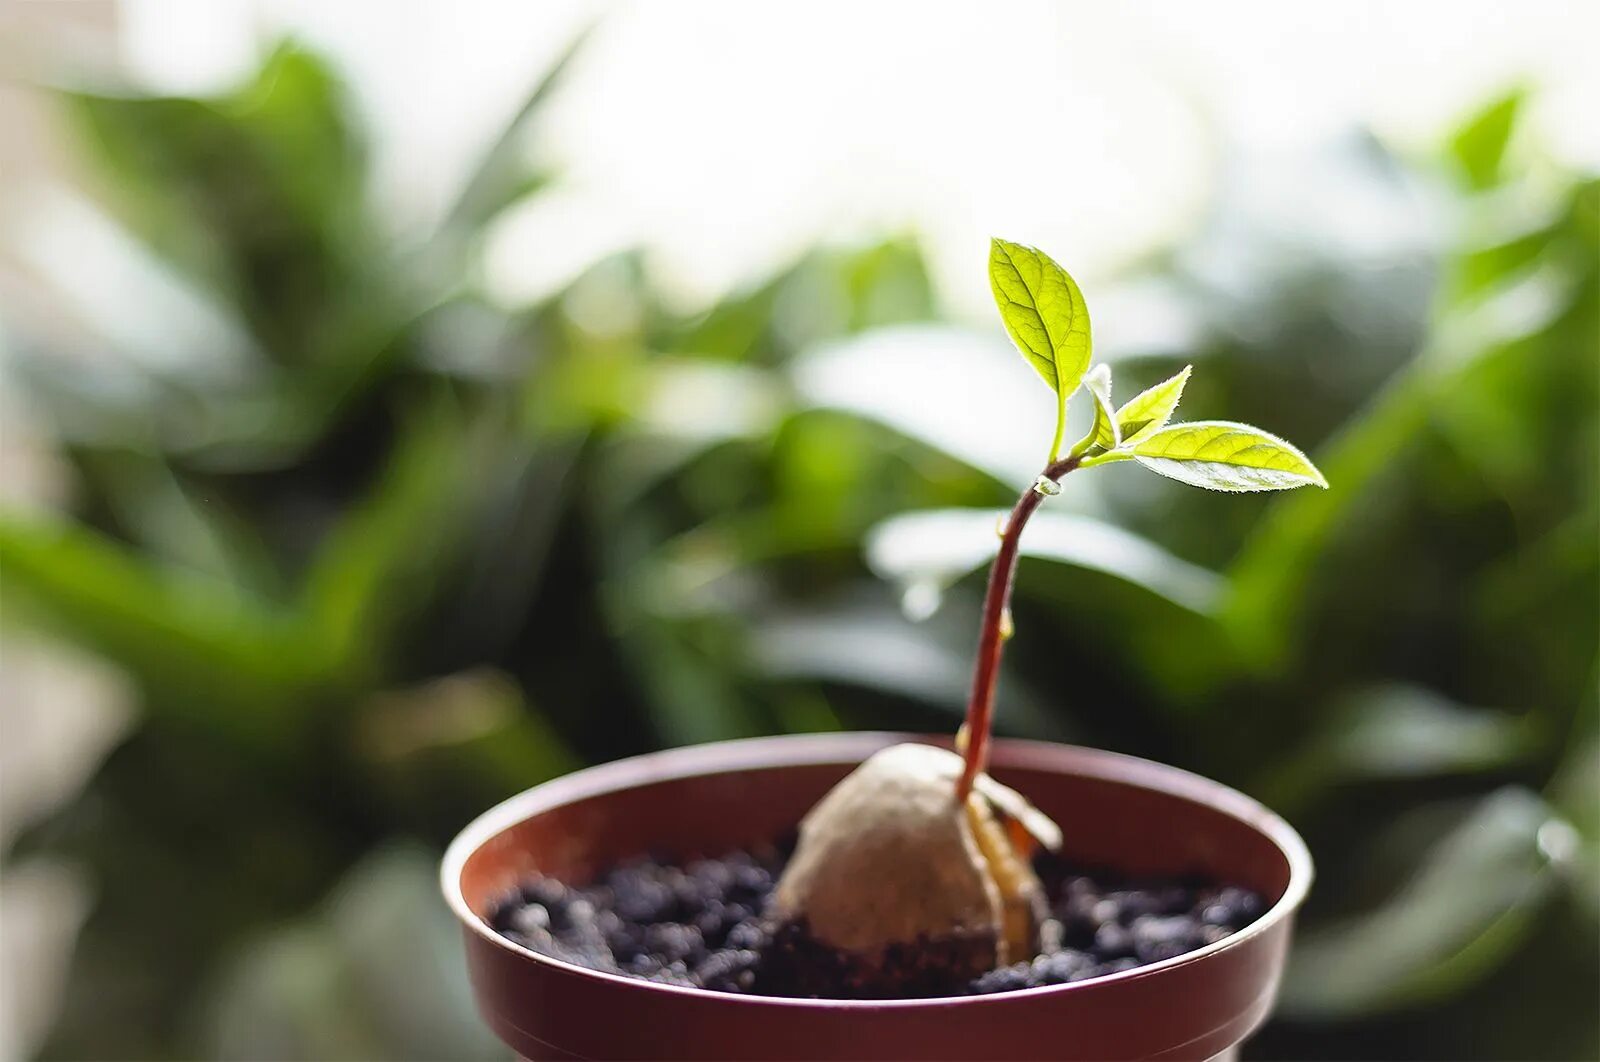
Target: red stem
980, 704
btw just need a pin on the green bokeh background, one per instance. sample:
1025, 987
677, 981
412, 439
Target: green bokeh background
420, 552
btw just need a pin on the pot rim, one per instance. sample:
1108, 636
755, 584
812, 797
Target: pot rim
796, 750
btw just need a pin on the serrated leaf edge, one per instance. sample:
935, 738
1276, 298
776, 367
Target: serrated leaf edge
1313, 477
1149, 427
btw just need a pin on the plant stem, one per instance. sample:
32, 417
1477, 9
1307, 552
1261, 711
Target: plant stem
986, 669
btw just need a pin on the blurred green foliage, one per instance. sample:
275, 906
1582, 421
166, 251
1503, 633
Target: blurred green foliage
410, 552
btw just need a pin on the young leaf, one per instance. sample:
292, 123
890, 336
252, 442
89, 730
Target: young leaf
1148, 411
1222, 455
1103, 433
1046, 316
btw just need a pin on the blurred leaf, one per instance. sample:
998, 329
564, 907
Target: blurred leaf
256, 194
689, 692
706, 402
823, 296
1046, 317
1471, 900
873, 650
1519, 325
956, 369
806, 712
1532, 397
1401, 731
161, 914
1398, 731
1481, 268
869, 646
1536, 601
502, 177
1268, 579
291, 999
883, 285
212, 653
450, 746
736, 327
379, 565
175, 523
505, 555
1573, 791
1148, 412
935, 548
1479, 146
370, 974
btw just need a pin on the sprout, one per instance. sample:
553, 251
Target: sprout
916, 868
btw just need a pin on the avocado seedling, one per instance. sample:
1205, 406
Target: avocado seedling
918, 875
916, 869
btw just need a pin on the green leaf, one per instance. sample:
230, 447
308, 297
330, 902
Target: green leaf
378, 565
203, 648
256, 195
330, 983
1479, 147
503, 175
1399, 731
1046, 316
1103, 432
1148, 412
870, 646
955, 369
936, 547
1271, 579
1572, 791
1469, 903
1222, 455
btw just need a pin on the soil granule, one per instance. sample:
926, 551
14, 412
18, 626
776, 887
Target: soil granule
702, 925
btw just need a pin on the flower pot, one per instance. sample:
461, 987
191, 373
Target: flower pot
1117, 811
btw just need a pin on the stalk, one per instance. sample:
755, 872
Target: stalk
991, 640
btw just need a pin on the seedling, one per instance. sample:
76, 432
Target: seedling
918, 852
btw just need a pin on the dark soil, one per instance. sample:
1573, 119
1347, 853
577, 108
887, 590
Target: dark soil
701, 925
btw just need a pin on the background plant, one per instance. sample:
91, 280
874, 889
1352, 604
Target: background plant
406, 552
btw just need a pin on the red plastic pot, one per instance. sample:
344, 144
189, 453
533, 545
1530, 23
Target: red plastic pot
1138, 816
